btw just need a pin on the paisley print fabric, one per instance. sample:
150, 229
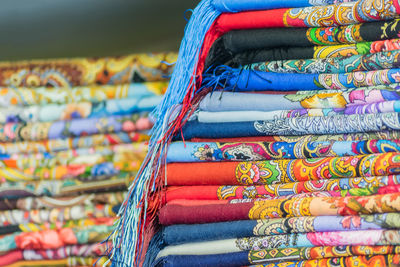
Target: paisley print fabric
253, 151
13, 131
86, 71
87, 142
26, 96
282, 171
319, 253
186, 233
367, 62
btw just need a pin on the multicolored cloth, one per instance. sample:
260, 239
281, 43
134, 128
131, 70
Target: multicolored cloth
339, 238
302, 160
26, 96
86, 71
253, 151
207, 211
55, 145
11, 132
89, 250
55, 188
53, 215
367, 62
186, 233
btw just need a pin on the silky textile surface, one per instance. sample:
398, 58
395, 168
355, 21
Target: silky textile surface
85, 71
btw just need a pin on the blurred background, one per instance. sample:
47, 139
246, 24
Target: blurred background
83, 28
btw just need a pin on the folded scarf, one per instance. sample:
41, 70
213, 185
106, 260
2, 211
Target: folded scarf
367, 62
86, 250
342, 187
251, 80
11, 132
86, 71
67, 262
229, 193
235, 42
79, 110
379, 260
53, 239
298, 52
56, 214
138, 149
388, 135
75, 186
281, 171
186, 233
193, 212
34, 227
241, 116
339, 238
233, 6
69, 171
55, 162
284, 257
322, 99
317, 16
241, 151
338, 124
114, 198
61, 144
24, 96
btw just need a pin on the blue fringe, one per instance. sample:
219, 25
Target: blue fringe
126, 244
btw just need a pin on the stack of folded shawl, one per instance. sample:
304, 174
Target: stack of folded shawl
279, 142
73, 133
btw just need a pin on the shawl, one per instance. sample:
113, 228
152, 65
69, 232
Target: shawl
232, 101
53, 239
240, 5
282, 170
79, 110
33, 227
241, 151
241, 116
70, 143
24, 96
68, 171
338, 124
284, 257
339, 238
12, 131
334, 187
53, 215
138, 149
251, 80
367, 62
237, 41
49, 161
389, 135
30, 203
207, 211
86, 71
54, 188
186, 233
65, 262
205, 26
296, 52
87, 250
257, 192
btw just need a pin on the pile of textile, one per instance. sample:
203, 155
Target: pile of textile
277, 141
73, 134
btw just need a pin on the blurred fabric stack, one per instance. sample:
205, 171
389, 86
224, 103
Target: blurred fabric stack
73, 134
